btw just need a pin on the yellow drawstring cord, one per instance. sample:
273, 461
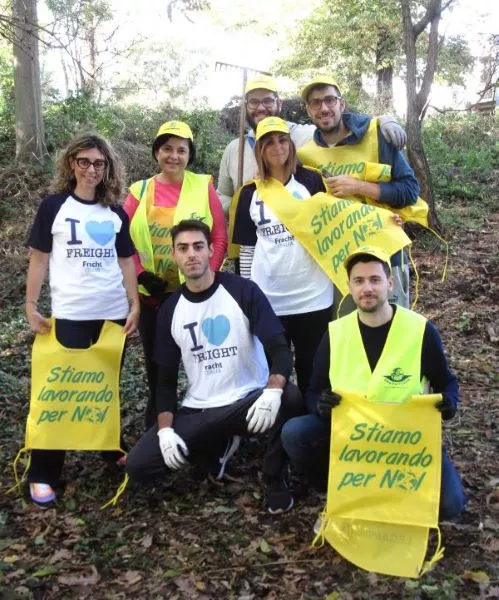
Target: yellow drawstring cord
416, 286
439, 553
17, 485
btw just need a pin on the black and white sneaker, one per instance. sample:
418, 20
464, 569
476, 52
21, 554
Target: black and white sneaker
279, 496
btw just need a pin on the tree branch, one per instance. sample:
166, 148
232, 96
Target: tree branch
434, 9
432, 59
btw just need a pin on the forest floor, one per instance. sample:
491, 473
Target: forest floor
192, 539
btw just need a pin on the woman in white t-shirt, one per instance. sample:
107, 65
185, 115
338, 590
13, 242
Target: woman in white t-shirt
298, 290
81, 236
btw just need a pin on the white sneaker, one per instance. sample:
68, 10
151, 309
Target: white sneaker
41, 493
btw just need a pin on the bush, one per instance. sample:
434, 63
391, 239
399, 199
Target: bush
463, 154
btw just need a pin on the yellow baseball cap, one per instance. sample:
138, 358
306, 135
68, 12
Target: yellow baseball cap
318, 81
262, 82
375, 251
178, 128
269, 125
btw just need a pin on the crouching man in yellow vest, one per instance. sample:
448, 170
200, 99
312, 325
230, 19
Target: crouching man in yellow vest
383, 352
343, 145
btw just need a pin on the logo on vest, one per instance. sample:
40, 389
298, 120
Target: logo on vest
397, 377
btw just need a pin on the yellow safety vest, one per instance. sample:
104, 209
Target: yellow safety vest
385, 459
193, 203
397, 375
361, 161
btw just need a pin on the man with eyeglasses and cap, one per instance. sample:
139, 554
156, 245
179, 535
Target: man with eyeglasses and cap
356, 353
262, 100
342, 145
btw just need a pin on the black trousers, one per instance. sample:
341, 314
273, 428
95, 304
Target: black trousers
147, 330
202, 428
305, 331
46, 465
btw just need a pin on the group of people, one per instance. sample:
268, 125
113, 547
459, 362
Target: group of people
234, 332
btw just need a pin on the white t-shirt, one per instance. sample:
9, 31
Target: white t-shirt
218, 335
86, 282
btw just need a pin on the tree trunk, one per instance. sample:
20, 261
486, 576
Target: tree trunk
30, 138
417, 99
419, 162
384, 70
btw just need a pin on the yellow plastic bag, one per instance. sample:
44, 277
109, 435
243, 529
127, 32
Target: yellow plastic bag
330, 228
75, 402
384, 483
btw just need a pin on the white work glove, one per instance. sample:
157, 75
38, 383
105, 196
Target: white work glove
263, 413
172, 448
392, 131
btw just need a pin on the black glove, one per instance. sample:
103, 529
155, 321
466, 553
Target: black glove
447, 407
153, 284
327, 402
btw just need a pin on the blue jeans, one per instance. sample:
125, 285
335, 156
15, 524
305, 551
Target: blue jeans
306, 441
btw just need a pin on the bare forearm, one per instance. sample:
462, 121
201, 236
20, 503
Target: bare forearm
129, 279
165, 419
371, 190
277, 381
37, 270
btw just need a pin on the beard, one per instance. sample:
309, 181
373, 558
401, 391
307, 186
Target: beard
330, 128
375, 304
251, 121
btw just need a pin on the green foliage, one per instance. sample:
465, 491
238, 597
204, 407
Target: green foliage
133, 123
454, 61
348, 39
356, 38
209, 137
463, 154
7, 116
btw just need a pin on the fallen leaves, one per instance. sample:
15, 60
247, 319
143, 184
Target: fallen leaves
84, 576
476, 576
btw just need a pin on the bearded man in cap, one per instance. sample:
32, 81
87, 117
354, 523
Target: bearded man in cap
342, 145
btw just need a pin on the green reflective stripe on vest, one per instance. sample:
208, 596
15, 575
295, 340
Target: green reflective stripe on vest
397, 375
193, 203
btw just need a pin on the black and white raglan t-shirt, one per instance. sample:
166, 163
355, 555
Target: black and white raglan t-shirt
218, 334
84, 240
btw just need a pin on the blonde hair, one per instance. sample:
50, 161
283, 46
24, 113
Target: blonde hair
263, 168
110, 190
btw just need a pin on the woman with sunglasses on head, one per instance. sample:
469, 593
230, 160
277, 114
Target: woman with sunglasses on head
79, 221
298, 290
154, 205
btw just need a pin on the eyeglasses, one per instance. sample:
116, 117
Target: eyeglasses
255, 103
84, 163
329, 101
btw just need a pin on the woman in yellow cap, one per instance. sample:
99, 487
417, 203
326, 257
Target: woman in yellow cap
300, 293
154, 205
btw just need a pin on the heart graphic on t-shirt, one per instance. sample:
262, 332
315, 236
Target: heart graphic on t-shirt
102, 232
216, 330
